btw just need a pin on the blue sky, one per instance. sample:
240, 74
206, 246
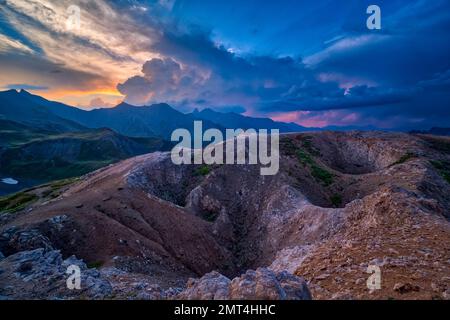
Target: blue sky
310, 62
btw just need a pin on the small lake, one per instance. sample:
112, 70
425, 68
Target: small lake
9, 185
10, 181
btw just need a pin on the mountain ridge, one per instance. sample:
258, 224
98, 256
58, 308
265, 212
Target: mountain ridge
157, 120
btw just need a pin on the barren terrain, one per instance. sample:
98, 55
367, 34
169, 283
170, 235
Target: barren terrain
144, 227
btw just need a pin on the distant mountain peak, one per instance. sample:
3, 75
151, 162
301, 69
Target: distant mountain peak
10, 91
162, 105
123, 104
24, 92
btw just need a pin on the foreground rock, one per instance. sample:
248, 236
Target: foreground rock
261, 284
41, 274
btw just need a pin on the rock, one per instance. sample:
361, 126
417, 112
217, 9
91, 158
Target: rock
322, 276
446, 294
294, 286
41, 274
212, 286
290, 259
346, 295
58, 222
403, 288
262, 284
1, 256
14, 240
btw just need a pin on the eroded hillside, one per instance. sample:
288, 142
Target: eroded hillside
341, 202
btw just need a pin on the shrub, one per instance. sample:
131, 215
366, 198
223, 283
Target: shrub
16, 202
443, 169
322, 175
404, 159
336, 200
95, 265
202, 171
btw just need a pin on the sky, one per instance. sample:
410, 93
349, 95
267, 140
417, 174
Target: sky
315, 63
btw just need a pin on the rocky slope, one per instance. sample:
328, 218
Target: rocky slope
341, 202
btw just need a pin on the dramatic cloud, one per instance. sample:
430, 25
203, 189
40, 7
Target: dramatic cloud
25, 87
275, 61
98, 102
100, 51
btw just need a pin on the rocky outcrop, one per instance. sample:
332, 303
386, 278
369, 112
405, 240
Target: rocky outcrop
14, 240
261, 284
41, 274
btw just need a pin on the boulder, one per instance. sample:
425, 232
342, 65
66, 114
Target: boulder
262, 284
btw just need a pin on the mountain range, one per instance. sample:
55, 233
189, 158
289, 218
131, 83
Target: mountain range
158, 120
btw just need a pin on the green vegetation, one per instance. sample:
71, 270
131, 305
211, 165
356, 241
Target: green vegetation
21, 200
404, 159
54, 188
308, 145
16, 202
287, 146
336, 200
305, 156
62, 183
202, 171
322, 175
439, 144
95, 265
210, 216
443, 168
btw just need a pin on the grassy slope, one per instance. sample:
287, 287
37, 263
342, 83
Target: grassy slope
28, 153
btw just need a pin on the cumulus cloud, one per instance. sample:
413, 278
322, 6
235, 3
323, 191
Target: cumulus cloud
25, 86
359, 76
196, 72
100, 103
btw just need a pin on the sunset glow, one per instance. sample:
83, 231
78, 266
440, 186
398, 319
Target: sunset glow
190, 55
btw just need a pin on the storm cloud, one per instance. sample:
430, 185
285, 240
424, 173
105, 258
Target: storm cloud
311, 63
